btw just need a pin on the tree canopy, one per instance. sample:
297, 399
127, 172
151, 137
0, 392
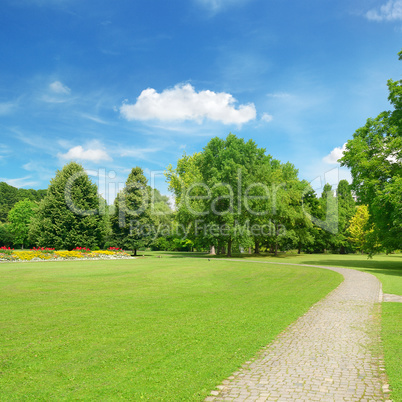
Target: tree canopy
10, 195
233, 192
20, 219
374, 156
68, 216
131, 221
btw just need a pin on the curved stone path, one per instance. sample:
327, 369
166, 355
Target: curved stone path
331, 353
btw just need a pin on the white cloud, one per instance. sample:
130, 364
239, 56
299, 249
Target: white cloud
266, 117
92, 155
20, 182
216, 5
183, 103
279, 95
59, 88
138, 152
93, 118
7, 108
4, 151
334, 155
390, 11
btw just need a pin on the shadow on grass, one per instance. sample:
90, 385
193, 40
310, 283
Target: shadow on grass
391, 266
381, 267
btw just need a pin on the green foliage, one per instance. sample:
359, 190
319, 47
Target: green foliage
358, 228
10, 195
6, 236
69, 214
20, 219
374, 156
131, 221
238, 195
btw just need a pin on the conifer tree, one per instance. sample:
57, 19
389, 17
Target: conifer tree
131, 222
68, 216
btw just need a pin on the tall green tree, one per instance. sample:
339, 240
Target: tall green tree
132, 223
329, 217
346, 210
359, 230
70, 214
211, 190
20, 218
10, 195
374, 156
238, 194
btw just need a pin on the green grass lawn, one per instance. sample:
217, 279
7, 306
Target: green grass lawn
391, 336
387, 268
158, 329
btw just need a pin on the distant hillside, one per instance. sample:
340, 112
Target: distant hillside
10, 195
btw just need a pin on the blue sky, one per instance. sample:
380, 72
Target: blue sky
124, 83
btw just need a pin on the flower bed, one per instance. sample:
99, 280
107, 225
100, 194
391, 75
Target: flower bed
42, 253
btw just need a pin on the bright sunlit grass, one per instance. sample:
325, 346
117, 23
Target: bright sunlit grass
157, 329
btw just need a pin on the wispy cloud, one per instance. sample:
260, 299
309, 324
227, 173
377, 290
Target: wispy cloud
33, 140
26, 181
140, 153
266, 117
334, 155
7, 108
217, 5
57, 92
44, 3
96, 119
4, 151
59, 88
183, 103
78, 153
390, 11
279, 95
41, 170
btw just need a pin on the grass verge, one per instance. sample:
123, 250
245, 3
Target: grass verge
392, 346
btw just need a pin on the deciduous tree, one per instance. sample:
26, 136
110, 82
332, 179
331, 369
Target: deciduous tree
20, 219
374, 156
358, 228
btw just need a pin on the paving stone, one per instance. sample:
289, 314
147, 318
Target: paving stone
326, 355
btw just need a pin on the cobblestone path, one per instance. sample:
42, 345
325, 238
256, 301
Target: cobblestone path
326, 355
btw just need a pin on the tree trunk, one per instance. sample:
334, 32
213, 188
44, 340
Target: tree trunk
276, 239
212, 250
229, 247
299, 250
257, 247
249, 250
135, 252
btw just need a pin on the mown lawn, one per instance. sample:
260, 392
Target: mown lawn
156, 329
391, 337
387, 268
